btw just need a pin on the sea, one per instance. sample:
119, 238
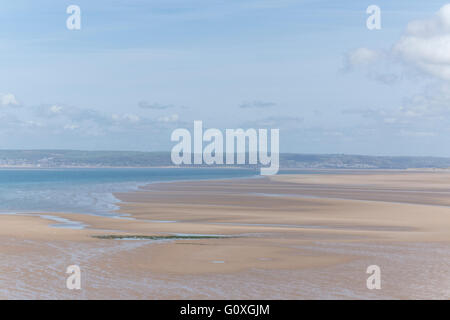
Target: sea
90, 190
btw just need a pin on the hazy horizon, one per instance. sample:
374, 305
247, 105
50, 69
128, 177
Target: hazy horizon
293, 153
168, 152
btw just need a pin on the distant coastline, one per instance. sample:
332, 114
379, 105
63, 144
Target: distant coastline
30, 159
282, 170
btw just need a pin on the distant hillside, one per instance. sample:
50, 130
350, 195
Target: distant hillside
343, 161
72, 158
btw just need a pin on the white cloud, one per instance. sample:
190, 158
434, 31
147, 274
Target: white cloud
377, 65
424, 49
128, 117
418, 116
171, 118
8, 100
32, 124
55, 109
361, 57
438, 24
426, 44
71, 127
62, 120
131, 117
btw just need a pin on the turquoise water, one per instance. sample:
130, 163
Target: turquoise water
89, 190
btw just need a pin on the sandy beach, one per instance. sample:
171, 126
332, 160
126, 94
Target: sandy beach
289, 236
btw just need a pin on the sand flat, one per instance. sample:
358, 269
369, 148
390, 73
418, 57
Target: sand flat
289, 237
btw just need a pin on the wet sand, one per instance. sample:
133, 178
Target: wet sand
290, 237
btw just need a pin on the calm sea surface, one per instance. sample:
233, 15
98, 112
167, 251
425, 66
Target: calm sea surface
88, 190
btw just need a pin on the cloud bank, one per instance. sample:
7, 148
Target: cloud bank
424, 47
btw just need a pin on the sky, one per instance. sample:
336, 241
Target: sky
137, 70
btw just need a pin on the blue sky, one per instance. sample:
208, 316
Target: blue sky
139, 69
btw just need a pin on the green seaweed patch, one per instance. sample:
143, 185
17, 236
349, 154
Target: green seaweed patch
170, 237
